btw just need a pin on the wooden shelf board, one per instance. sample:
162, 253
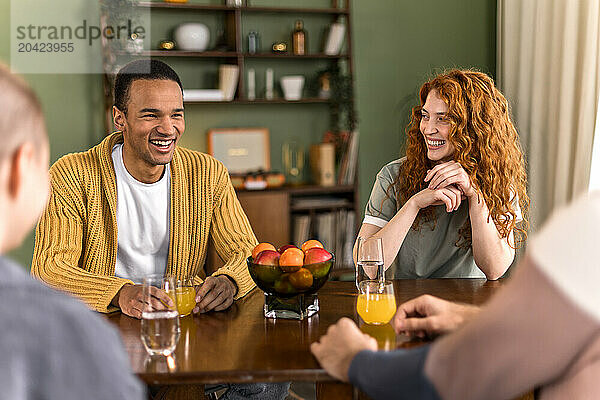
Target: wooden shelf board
264, 101
185, 6
301, 209
315, 189
295, 56
216, 7
339, 11
307, 189
227, 54
182, 53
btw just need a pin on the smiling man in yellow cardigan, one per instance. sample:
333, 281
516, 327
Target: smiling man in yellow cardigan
137, 204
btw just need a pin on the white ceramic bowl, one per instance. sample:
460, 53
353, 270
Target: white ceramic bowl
192, 36
292, 86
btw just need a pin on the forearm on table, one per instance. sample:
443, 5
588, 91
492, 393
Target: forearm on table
392, 375
492, 253
393, 233
516, 343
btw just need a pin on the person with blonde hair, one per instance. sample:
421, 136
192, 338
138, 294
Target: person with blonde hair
455, 206
52, 346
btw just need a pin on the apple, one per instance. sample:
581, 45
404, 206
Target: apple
301, 279
267, 273
287, 246
319, 270
267, 257
283, 285
316, 255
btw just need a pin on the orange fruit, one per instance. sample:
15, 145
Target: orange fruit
291, 260
260, 247
311, 244
301, 279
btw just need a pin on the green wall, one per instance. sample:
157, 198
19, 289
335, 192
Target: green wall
397, 44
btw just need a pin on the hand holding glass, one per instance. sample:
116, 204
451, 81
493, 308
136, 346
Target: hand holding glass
376, 302
369, 260
160, 323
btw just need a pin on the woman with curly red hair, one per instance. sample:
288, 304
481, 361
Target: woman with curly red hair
452, 207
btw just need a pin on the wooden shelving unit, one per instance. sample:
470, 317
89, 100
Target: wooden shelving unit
281, 200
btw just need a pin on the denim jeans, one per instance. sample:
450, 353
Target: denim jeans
252, 391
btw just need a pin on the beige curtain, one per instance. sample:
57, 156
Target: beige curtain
549, 69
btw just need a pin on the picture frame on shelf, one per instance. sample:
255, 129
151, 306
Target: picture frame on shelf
241, 150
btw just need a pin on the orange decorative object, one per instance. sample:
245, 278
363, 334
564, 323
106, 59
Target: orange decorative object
260, 247
175, 1
291, 260
310, 244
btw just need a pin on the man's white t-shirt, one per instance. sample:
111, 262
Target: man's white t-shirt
142, 222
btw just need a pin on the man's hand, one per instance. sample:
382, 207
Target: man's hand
338, 347
130, 299
216, 293
430, 316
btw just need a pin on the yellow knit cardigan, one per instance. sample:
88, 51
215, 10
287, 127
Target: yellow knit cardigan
76, 237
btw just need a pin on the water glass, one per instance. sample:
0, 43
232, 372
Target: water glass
376, 303
369, 260
160, 323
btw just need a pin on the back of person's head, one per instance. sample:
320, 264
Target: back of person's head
140, 70
23, 159
21, 116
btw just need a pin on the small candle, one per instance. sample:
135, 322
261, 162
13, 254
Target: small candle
251, 84
269, 83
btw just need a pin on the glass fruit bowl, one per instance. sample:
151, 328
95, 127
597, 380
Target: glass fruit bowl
290, 292
305, 280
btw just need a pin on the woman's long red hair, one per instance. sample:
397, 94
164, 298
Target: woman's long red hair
487, 146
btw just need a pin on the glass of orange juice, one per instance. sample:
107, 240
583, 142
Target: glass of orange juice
376, 302
185, 296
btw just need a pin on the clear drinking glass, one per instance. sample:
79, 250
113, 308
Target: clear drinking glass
376, 303
160, 323
369, 260
185, 296
292, 154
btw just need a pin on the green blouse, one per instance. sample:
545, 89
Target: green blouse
430, 251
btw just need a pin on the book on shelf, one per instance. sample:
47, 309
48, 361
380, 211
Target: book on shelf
326, 230
335, 230
347, 170
335, 39
202, 95
350, 237
301, 229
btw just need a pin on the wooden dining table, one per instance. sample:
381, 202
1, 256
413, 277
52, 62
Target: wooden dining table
240, 345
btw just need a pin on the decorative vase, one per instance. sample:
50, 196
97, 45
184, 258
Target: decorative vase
292, 87
192, 36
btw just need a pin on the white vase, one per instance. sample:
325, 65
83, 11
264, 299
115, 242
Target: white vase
192, 36
292, 86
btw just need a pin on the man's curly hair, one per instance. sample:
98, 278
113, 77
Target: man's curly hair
486, 145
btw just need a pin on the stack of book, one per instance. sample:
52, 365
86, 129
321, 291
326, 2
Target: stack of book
336, 230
